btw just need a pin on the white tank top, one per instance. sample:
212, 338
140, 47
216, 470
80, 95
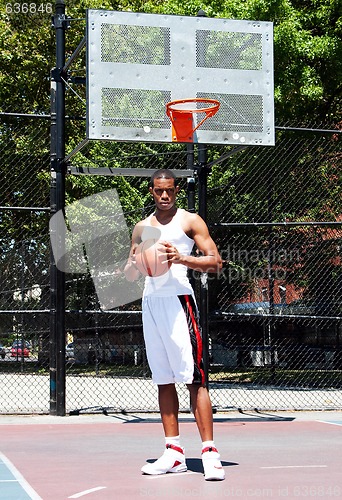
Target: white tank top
175, 281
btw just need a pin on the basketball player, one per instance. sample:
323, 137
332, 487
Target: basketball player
170, 322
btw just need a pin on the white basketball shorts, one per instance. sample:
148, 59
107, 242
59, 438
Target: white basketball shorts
173, 339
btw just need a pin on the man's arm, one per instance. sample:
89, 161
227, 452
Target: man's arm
209, 259
130, 269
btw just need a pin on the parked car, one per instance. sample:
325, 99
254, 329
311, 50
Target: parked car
20, 349
69, 351
2, 351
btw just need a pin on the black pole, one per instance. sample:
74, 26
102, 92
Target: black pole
203, 172
202, 210
191, 194
190, 161
57, 202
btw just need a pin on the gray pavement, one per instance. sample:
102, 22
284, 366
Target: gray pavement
264, 454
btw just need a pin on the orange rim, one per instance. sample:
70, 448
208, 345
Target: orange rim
213, 108
182, 119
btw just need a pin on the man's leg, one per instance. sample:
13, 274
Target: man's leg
202, 409
169, 407
173, 459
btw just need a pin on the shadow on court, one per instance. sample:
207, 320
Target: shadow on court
100, 456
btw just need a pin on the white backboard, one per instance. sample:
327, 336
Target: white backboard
136, 63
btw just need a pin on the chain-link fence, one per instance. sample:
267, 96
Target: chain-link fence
274, 311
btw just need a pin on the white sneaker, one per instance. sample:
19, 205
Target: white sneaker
213, 470
172, 460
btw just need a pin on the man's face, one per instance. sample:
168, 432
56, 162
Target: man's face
164, 193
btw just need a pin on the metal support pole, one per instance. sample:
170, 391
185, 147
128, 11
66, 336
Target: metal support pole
52, 341
191, 182
57, 202
203, 172
191, 194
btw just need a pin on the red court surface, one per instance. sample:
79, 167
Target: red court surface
98, 457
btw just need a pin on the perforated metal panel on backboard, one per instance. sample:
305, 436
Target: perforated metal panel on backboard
137, 63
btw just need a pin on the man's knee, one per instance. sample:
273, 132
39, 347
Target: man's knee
166, 388
195, 388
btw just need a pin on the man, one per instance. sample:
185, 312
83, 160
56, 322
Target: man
170, 322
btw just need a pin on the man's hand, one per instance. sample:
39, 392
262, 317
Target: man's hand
172, 254
131, 271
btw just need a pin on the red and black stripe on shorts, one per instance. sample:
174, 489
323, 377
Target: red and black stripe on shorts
191, 314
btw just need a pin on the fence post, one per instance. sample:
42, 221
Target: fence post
57, 202
203, 171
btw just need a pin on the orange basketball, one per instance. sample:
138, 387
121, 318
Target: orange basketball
150, 258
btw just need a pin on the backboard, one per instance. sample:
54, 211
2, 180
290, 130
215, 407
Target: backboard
137, 63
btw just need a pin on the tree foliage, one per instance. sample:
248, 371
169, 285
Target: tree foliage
307, 47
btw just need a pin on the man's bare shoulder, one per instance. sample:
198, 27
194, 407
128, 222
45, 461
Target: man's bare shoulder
141, 223
192, 223
138, 229
190, 217
185, 214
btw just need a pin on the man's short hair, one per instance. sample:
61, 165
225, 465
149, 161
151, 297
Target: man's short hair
163, 173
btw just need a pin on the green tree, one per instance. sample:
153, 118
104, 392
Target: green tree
307, 50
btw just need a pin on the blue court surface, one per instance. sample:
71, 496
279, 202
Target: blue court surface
99, 457
12, 483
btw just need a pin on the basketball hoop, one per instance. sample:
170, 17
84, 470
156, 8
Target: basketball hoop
181, 114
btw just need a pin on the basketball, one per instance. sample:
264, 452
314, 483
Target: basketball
150, 259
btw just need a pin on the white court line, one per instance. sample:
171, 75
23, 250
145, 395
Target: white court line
293, 466
86, 492
20, 479
330, 423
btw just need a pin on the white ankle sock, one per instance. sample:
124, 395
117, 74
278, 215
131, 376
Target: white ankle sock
175, 440
208, 444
